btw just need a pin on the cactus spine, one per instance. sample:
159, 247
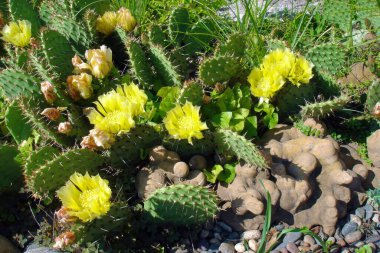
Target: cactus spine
182, 205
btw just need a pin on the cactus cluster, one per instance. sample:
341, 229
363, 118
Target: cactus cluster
330, 58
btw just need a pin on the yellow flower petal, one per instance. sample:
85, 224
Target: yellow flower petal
106, 24
302, 72
18, 34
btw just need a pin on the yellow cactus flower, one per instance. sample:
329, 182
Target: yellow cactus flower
184, 122
265, 83
135, 96
302, 72
125, 19
280, 61
106, 24
115, 110
80, 86
99, 61
18, 34
86, 197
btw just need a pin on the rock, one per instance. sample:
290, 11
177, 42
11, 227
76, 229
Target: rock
203, 244
181, 251
224, 226
359, 73
181, 169
368, 211
292, 248
373, 239
353, 237
358, 244
226, 247
341, 242
198, 162
233, 236
204, 233
7, 247
331, 239
373, 146
35, 248
315, 247
284, 250
214, 241
360, 212
292, 237
252, 234
356, 219
349, 227
239, 247
309, 239
253, 245
218, 236
217, 229
372, 245
214, 247
376, 218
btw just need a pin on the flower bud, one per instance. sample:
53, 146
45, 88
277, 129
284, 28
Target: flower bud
99, 61
51, 113
101, 138
88, 142
18, 34
125, 19
376, 110
63, 216
106, 24
48, 91
64, 239
79, 86
65, 127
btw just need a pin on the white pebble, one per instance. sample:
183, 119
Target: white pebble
253, 245
252, 234
239, 247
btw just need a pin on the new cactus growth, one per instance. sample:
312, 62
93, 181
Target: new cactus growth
182, 205
324, 108
328, 57
230, 142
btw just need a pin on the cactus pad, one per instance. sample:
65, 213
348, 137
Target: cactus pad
15, 83
164, 67
324, 108
178, 24
219, 69
373, 95
328, 57
10, 169
182, 205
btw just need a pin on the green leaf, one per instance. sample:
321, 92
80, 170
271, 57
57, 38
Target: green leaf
243, 96
16, 123
222, 120
169, 97
271, 120
250, 129
228, 174
226, 101
212, 176
237, 122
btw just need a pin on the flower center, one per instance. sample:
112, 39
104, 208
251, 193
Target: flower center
89, 197
186, 123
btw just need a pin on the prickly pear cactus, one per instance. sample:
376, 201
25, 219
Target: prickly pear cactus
178, 24
15, 83
24, 10
373, 95
17, 124
163, 66
10, 168
43, 179
328, 57
231, 142
324, 108
182, 205
199, 36
339, 12
219, 69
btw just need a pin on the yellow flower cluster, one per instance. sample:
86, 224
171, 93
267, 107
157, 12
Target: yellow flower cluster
107, 23
86, 197
18, 34
116, 109
277, 67
183, 122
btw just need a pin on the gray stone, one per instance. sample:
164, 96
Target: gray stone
349, 227
218, 236
203, 244
224, 226
204, 233
218, 229
353, 237
182, 251
7, 247
226, 247
35, 248
356, 219
214, 241
214, 247
360, 212
281, 246
233, 236
292, 237
279, 227
359, 244
373, 239
309, 239
292, 248
373, 146
315, 247
368, 211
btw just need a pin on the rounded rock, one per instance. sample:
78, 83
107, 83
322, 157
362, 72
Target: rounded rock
353, 237
214, 241
331, 239
356, 219
253, 245
349, 227
181, 169
226, 247
309, 239
198, 162
239, 247
172, 156
368, 211
157, 154
203, 244
204, 233
292, 247
252, 234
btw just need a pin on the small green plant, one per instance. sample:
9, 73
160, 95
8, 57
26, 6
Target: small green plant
364, 249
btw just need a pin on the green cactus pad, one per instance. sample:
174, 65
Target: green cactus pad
324, 108
164, 67
205, 146
50, 176
219, 69
234, 46
328, 57
10, 168
199, 36
140, 67
339, 12
182, 205
38, 158
24, 10
178, 24
228, 141
369, 10
129, 148
192, 93
16, 124
373, 95
16, 83
58, 53
157, 36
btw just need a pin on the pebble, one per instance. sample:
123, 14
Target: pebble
309, 239
353, 237
239, 247
360, 212
280, 227
368, 211
224, 226
372, 245
226, 247
349, 227
233, 236
292, 237
345, 251
284, 250
356, 219
182, 251
217, 229
359, 244
341, 242
253, 245
7, 247
203, 244
204, 233
373, 239
376, 218
218, 236
215, 241
315, 247
292, 248
214, 247
35, 248
331, 239
252, 234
